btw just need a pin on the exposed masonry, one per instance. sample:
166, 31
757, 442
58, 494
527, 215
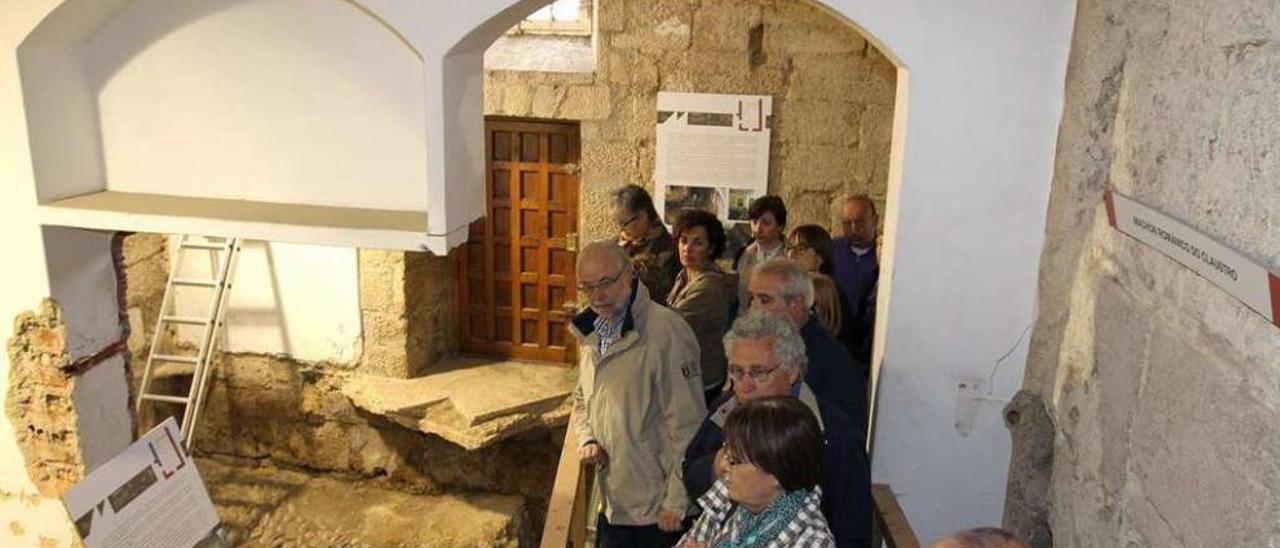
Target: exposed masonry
38, 402
1160, 388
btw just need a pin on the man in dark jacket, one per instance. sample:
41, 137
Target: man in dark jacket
767, 358
782, 288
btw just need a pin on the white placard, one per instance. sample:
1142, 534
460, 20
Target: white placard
1254, 285
148, 496
712, 153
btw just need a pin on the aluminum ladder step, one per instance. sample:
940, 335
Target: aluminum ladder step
196, 282
188, 320
163, 398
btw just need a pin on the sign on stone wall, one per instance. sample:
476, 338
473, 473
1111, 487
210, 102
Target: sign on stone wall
150, 495
712, 153
1255, 286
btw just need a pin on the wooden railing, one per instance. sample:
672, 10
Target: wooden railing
891, 525
570, 510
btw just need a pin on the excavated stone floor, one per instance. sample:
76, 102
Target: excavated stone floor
265, 506
469, 401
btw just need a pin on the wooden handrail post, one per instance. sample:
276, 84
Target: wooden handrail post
567, 517
891, 524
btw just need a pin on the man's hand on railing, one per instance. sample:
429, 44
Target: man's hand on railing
593, 454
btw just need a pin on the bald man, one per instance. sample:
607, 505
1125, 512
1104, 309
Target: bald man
637, 403
857, 268
981, 537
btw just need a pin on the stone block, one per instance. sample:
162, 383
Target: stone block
819, 122
547, 101
636, 71
587, 103
385, 328
831, 77
609, 156
806, 167
517, 100
724, 24
786, 36
142, 246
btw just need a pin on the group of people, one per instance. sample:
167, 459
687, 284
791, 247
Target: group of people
727, 407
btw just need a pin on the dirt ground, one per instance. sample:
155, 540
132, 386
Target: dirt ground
268, 506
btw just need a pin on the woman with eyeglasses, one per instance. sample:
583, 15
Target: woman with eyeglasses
810, 247
702, 293
642, 234
769, 494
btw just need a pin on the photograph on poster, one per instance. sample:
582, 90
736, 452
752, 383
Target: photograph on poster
739, 202
680, 198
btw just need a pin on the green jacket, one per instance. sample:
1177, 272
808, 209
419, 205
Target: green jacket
641, 401
703, 300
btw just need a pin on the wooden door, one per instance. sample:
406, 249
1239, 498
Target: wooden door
518, 267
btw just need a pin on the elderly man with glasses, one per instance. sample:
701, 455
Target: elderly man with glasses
637, 403
767, 359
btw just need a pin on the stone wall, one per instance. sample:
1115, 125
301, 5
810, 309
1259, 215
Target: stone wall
407, 308
1162, 388
38, 401
833, 96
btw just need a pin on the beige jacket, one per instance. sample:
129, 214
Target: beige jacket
642, 402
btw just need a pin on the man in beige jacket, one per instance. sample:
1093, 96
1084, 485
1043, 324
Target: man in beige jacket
638, 401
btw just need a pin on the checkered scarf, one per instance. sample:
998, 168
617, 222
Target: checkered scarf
717, 528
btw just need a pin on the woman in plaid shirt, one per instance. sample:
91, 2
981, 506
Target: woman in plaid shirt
769, 497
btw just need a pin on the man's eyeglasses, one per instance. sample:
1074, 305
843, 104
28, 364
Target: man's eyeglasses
604, 283
757, 375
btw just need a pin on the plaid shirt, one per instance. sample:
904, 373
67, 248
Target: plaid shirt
715, 526
610, 330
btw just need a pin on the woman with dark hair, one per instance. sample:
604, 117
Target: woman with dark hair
702, 293
810, 247
768, 221
650, 246
769, 495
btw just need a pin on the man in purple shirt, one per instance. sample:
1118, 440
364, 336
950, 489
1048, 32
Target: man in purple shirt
857, 267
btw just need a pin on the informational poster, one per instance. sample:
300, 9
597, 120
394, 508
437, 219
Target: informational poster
148, 496
712, 153
1248, 281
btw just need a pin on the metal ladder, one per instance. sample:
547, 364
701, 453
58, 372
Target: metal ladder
226, 251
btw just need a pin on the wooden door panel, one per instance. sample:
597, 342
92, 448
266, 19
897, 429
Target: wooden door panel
517, 274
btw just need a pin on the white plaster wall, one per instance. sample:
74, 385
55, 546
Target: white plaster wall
82, 278
25, 279
101, 398
301, 301
292, 101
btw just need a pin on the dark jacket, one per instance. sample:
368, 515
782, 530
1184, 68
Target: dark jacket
703, 301
833, 372
655, 262
846, 477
